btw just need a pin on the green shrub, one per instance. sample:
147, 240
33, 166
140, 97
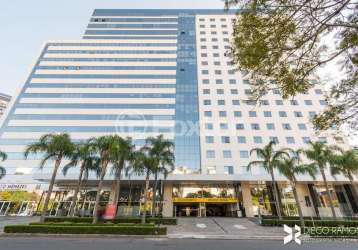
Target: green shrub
90, 224
310, 223
136, 220
61, 229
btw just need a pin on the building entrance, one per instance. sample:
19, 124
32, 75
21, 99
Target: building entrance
205, 209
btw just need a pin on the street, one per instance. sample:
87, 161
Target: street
61, 243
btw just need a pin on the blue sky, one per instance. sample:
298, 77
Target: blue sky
27, 25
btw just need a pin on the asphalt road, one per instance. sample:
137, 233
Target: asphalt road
56, 243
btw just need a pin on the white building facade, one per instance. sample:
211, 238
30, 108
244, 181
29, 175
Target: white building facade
141, 73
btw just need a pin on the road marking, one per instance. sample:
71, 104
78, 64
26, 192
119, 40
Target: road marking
200, 225
240, 227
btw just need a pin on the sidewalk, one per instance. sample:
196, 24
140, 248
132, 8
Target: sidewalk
223, 228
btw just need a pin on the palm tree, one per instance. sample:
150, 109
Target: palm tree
290, 167
103, 146
55, 147
3, 157
163, 150
321, 156
88, 161
122, 153
145, 163
347, 165
270, 159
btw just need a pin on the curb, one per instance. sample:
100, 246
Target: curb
9, 235
224, 237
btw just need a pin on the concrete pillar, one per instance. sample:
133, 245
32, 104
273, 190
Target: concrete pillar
302, 191
247, 199
168, 200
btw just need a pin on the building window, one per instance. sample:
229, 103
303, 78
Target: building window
298, 114
205, 72
252, 114
323, 102
302, 126
270, 126
228, 170
232, 81
255, 126
286, 126
237, 114
282, 113
274, 139
257, 139
248, 91
234, 91
221, 102
207, 102
308, 102
211, 170
223, 126
219, 81
247, 82
290, 140
210, 154
322, 139
240, 126
217, 63
204, 55
227, 154
312, 114
244, 154
276, 92
204, 63
206, 91
208, 114
306, 140
206, 81
217, 72
279, 102
209, 126
264, 102
318, 91
236, 102
241, 139
267, 114
222, 113
225, 139
209, 139
220, 91
294, 102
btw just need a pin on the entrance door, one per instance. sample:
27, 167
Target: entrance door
216, 210
187, 210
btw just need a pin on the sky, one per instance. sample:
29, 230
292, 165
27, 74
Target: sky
27, 24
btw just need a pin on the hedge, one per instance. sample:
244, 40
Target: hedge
70, 224
310, 223
49, 229
136, 220
307, 218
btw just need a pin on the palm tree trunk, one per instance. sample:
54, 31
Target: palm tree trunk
50, 188
145, 199
117, 190
328, 193
74, 199
277, 196
155, 194
299, 208
99, 189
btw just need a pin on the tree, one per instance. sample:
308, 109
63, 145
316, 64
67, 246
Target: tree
145, 164
347, 165
84, 157
270, 159
122, 153
163, 150
321, 157
103, 146
283, 43
3, 157
290, 167
55, 148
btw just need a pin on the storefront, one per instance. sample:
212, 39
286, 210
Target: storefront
205, 200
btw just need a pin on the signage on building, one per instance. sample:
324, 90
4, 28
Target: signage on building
206, 200
12, 187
